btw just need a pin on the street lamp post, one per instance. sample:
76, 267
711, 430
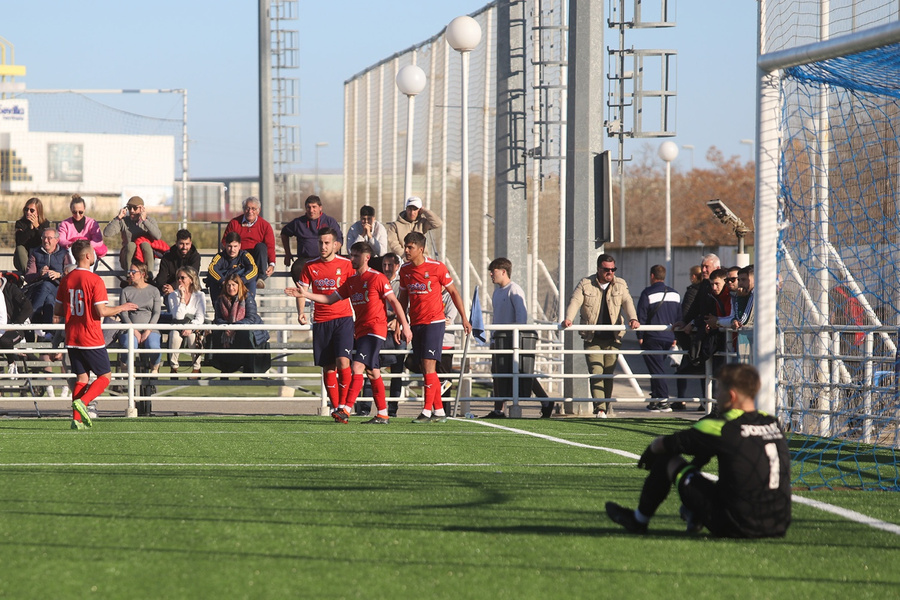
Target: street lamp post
463, 35
750, 151
690, 147
410, 81
318, 146
668, 151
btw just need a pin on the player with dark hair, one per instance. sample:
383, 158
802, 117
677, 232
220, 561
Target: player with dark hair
368, 290
422, 282
752, 497
333, 323
82, 302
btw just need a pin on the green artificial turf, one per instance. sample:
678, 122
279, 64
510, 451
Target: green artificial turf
303, 507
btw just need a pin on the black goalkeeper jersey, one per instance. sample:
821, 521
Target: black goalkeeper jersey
754, 484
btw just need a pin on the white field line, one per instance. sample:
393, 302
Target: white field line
850, 515
312, 465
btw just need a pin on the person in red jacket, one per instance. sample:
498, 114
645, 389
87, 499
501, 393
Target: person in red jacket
257, 238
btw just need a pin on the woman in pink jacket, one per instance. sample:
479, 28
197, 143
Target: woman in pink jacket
81, 227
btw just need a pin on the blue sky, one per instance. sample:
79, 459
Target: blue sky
209, 48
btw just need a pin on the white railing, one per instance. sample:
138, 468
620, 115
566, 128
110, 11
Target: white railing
287, 380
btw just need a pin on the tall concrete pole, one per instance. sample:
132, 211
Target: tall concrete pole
266, 160
584, 132
511, 204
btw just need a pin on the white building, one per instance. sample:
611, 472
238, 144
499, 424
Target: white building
39, 162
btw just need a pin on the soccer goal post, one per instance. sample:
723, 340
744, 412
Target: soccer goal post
826, 303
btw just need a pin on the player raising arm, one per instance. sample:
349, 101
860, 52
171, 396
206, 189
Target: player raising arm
82, 303
368, 290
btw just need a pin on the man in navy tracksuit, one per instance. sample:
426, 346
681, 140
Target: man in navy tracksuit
658, 305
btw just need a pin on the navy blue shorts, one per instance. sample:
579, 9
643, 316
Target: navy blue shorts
428, 340
331, 340
368, 348
93, 360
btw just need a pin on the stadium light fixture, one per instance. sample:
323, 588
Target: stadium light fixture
729, 219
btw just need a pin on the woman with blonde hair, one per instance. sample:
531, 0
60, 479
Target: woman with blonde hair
28, 232
236, 305
187, 305
81, 227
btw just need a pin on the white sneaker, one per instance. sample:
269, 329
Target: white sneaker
51, 392
65, 393
92, 410
601, 414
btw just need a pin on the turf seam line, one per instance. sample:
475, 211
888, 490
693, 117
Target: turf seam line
850, 515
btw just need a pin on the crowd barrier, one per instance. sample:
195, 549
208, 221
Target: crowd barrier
292, 369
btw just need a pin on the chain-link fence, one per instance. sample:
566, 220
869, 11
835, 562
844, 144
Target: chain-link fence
375, 142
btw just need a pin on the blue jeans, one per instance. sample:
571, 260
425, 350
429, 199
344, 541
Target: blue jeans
153, 342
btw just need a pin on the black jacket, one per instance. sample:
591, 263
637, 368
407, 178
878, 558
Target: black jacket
169, 264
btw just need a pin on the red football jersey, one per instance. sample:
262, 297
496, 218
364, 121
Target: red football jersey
367, 293
325, 278
78, 292
424, 286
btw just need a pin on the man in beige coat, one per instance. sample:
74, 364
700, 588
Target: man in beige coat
413, 218
602, 299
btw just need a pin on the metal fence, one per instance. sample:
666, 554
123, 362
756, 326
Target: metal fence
375, 142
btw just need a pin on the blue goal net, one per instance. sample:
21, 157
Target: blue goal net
839, 283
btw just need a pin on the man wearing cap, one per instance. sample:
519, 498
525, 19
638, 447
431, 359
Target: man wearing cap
257, 237
132, 223
306, 229
413, 218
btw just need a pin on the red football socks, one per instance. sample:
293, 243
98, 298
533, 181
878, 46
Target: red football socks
378, 395
356, 386
331, 387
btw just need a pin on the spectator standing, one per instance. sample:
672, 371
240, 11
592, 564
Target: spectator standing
368, 290
368, 230
81, 227
187, 305
510, 308
82, 303
693, 326
46, 266
422, 281
658, 305
134, 227
414, 217
257, 238
231, 260
237, 306
28, 232
602, 299
149, 305
390, 266
740, 318
333, 323
306, 229
684, 339
182, 254
752, 496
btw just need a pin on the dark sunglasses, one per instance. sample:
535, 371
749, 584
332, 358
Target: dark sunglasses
607, 270
731, 279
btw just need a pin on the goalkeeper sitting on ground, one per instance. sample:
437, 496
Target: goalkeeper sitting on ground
752, 497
